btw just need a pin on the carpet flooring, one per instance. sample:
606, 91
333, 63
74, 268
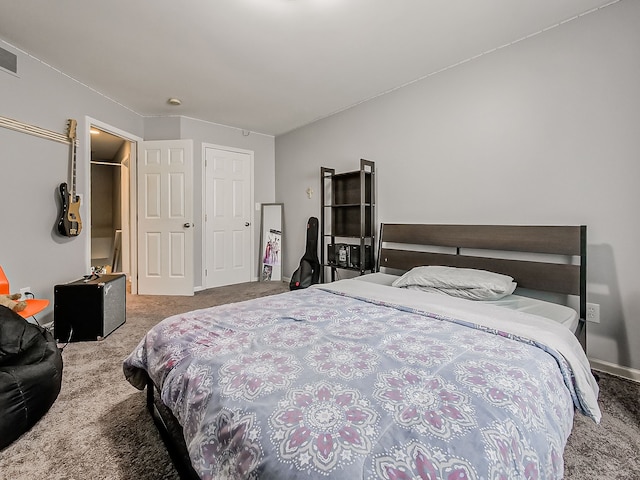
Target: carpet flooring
99, 427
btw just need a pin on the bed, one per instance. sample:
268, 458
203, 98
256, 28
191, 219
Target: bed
363, 379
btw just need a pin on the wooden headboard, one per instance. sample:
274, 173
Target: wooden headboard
565, 272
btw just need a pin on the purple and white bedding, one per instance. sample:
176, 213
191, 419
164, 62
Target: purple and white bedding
358, 380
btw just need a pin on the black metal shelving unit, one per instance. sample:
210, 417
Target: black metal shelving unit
348, 220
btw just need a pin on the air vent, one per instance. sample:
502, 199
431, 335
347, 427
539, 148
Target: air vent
8, 61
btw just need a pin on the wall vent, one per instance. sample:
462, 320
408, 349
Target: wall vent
8, 61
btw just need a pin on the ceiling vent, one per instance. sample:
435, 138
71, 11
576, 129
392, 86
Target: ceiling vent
8, 61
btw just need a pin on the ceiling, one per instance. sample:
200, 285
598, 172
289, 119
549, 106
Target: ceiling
104, 145
267, 66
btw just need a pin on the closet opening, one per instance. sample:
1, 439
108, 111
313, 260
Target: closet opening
110, 164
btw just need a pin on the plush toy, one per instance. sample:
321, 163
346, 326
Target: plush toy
9, 301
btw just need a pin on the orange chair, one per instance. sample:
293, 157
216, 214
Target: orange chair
34, 305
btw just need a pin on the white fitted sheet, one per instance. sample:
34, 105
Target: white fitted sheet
562, 314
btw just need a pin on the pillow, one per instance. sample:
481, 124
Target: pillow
458, 282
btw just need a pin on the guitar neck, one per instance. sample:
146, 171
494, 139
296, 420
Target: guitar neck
72, 138
72, 190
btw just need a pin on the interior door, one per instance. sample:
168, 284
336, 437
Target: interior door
228, 229
165, 217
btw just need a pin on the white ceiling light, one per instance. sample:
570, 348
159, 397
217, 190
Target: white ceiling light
174, 101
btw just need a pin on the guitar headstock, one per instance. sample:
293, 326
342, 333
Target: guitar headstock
72, 129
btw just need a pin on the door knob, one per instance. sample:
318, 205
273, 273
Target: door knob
246, 224
187, 225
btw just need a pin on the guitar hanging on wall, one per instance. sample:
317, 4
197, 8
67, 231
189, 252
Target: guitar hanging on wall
70, 224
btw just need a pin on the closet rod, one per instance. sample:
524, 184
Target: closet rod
110, 164
33, 130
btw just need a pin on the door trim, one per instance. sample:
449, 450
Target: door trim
133, 194
251, 153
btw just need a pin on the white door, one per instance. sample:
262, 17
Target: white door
165, 218
228, 230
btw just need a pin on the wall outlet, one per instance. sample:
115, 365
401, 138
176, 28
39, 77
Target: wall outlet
593, 312
23, 291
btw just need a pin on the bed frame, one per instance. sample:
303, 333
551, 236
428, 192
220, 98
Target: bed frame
171, 433
404, 246
561, 269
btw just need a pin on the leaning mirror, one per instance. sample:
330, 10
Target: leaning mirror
270, 260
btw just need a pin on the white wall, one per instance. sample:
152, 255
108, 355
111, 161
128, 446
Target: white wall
201, 132
31, 170
32, 253
545, 131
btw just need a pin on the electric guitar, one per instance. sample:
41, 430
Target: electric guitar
70, 224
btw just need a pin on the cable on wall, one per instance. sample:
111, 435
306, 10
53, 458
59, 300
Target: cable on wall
33, 130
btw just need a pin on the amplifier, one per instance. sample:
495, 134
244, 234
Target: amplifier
89, 309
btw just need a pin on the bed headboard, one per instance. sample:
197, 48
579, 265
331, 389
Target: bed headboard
565, 246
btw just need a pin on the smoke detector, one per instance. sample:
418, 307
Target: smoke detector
174, 101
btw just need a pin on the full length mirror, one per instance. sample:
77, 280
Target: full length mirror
270, 260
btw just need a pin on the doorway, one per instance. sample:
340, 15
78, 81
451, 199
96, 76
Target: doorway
110, 185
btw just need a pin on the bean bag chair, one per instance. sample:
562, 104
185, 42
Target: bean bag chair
30, 374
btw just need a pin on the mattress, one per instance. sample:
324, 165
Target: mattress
561, 314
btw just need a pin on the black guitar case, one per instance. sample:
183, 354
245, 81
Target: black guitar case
308, 273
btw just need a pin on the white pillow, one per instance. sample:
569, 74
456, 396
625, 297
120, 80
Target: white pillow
458, 282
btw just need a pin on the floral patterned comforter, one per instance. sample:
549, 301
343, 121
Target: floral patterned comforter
314, 384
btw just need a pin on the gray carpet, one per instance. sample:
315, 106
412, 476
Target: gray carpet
99, 427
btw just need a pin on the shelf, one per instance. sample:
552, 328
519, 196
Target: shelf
353, 269
366, 237
347, 190
348, 211
348, 222
349, 205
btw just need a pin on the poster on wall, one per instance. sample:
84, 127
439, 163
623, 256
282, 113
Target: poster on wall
272, 248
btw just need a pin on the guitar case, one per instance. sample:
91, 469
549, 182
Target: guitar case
308, 273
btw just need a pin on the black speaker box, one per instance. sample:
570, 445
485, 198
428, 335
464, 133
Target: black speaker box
89, 308
354, 256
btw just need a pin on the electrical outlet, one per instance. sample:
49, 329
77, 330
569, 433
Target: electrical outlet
593, 312
23, 291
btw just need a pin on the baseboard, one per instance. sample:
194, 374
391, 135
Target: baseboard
200, 288
614, 369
